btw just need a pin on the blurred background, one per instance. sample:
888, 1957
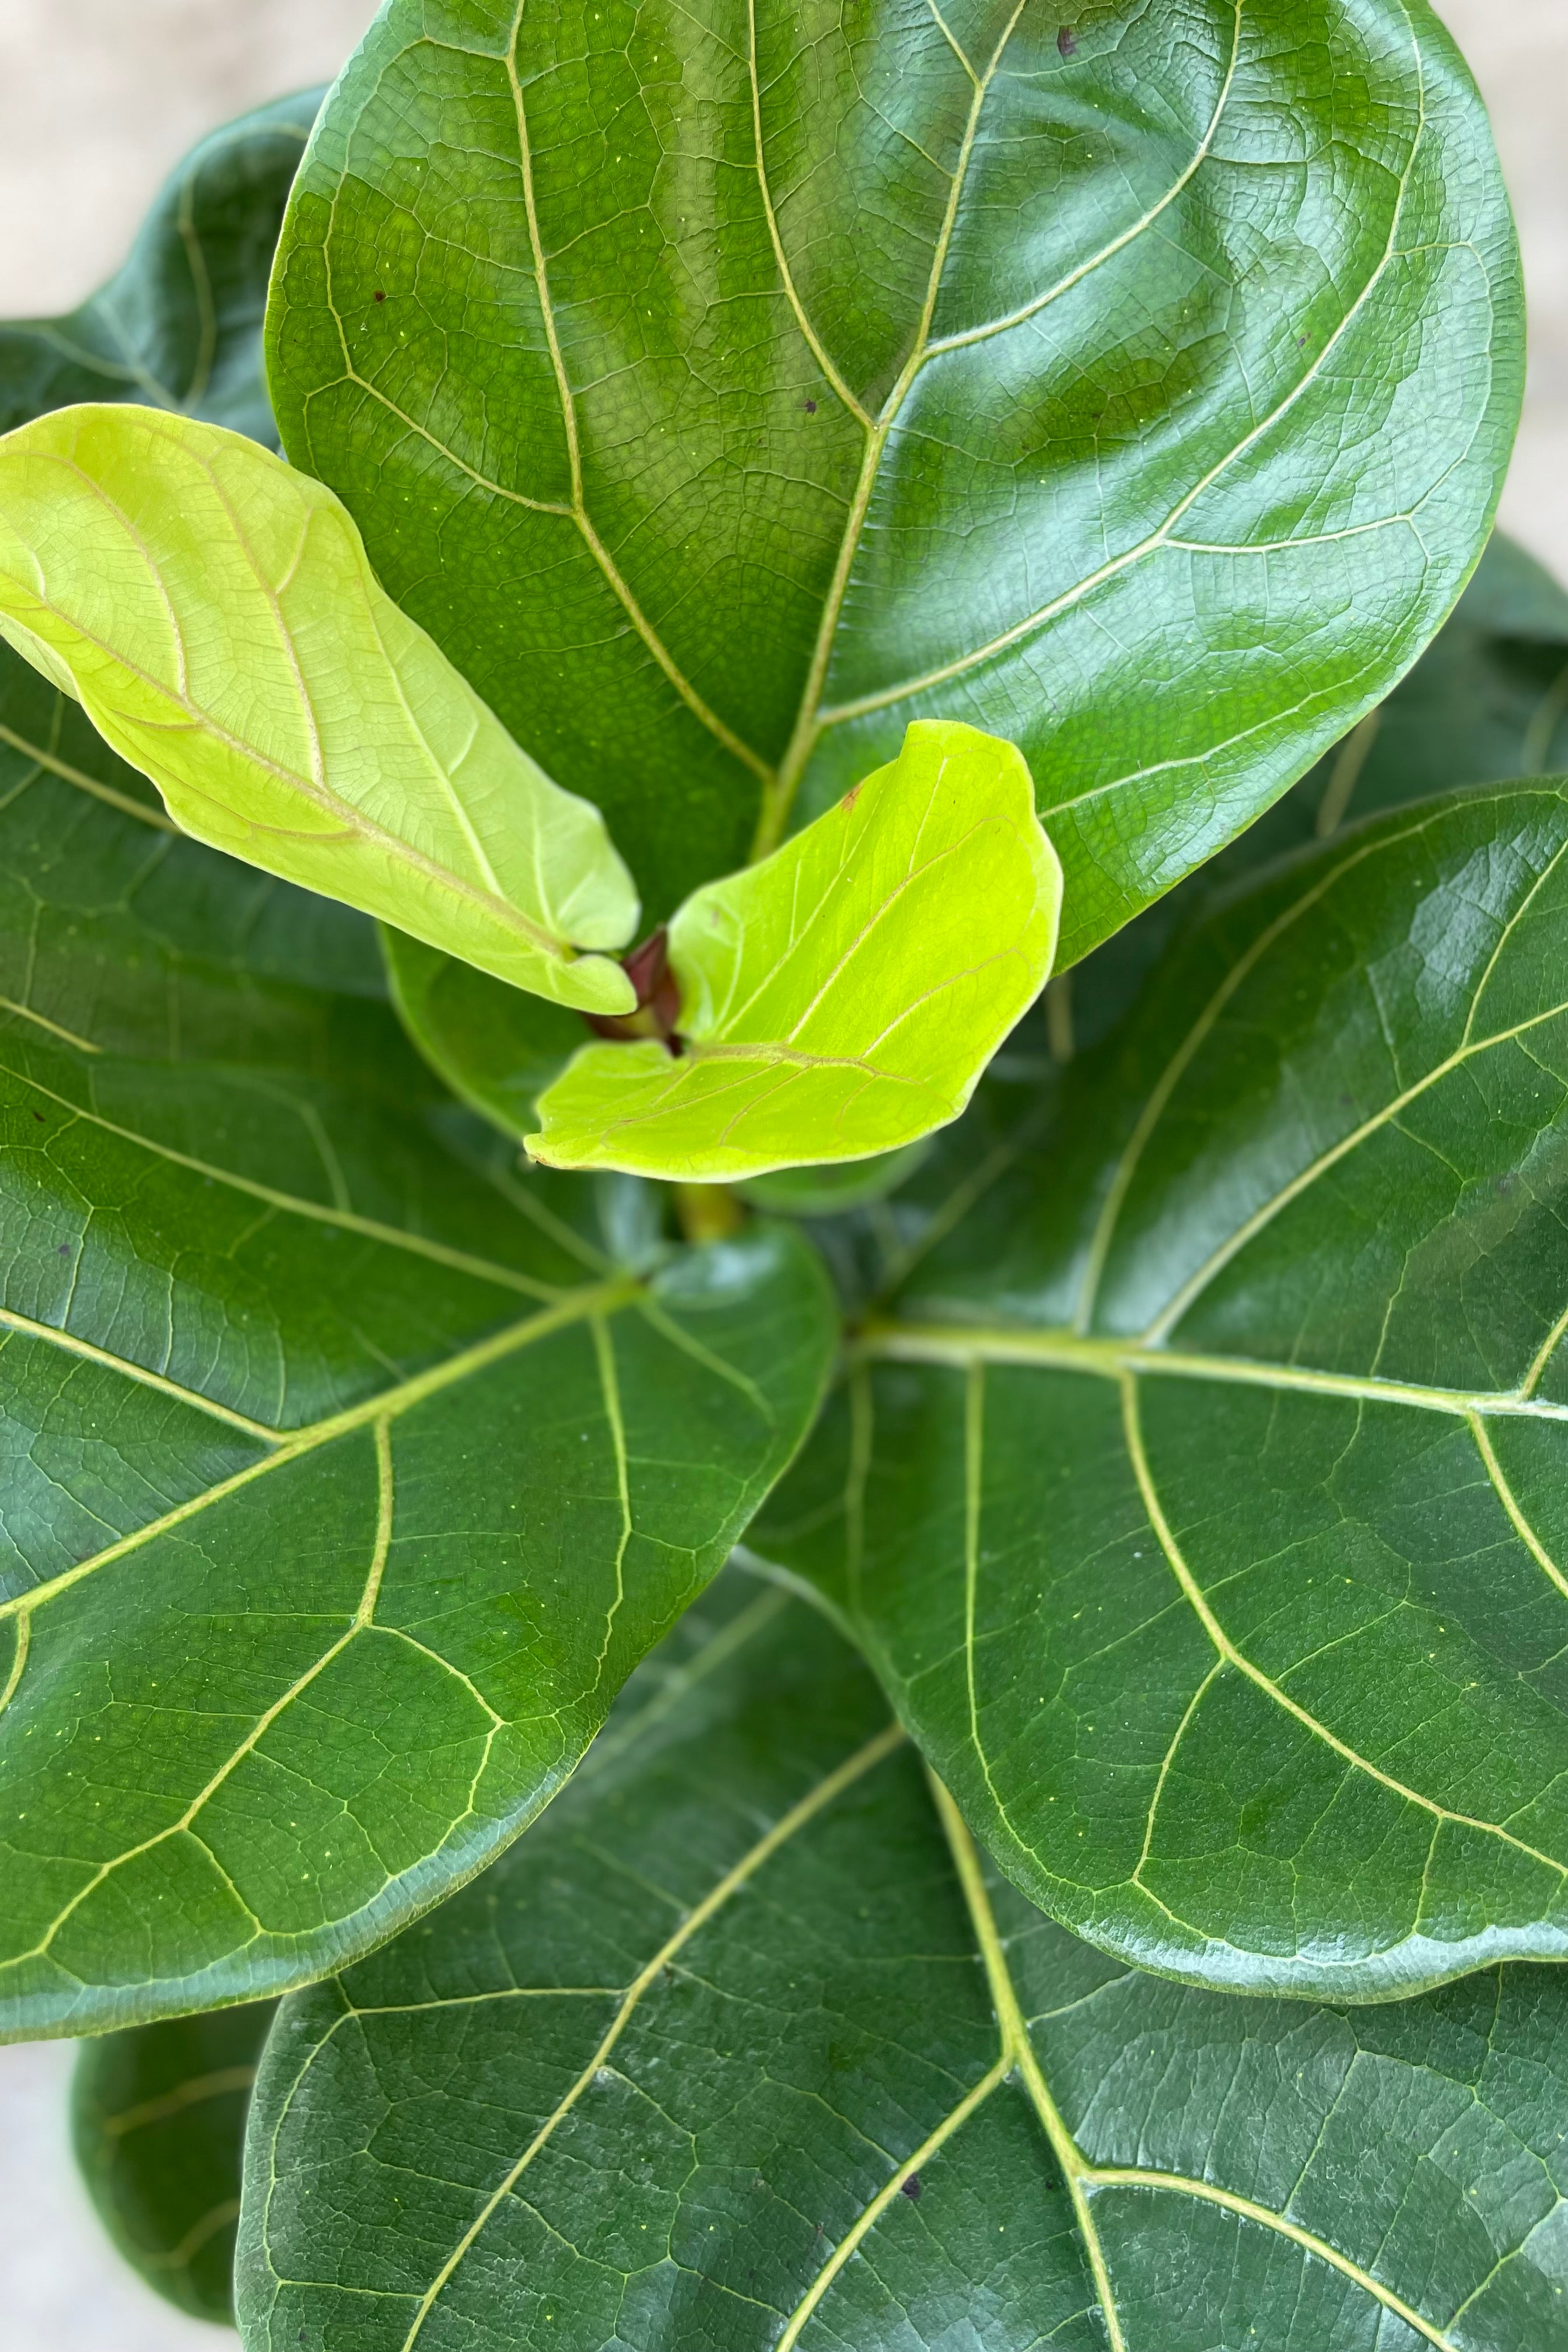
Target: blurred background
97, 101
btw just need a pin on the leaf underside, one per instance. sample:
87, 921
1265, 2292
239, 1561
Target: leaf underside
1199, 1499
214, 613
724, 387
738, 2050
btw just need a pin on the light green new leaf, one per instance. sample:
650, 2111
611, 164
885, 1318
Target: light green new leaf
744, 2049
726, 387
347, 1470
1200, 1499
214, 613
500, 1050
158, 2122
841, 998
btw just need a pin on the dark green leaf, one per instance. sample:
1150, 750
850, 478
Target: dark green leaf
1201, 1503
233, 1205
499, 1047
735, 2053
347, 1472
158, 2117
828, 1192
723, 389
1487, 700
180, 325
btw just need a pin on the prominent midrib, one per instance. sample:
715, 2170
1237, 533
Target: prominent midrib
943, 673
778, 797
854, 1767
962, 1346
1082, 2177
1019, 2051
492, 904
388, 1405
1068, 1353
812, 719
290, 1203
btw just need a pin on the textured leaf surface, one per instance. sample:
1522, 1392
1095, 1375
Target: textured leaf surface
724, 387
346, 1476
214, 613
179, 326
733, 2051
842, 998
1487, 701
158, 2118
1200, 1504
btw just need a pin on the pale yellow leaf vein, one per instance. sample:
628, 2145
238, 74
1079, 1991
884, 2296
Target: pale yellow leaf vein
389, 1405
293, 1204
789, 1826
1084, 2179
1236, 1658
601, 554
779, 797
363, 1616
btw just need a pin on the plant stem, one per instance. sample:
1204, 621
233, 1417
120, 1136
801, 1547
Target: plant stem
708, 1213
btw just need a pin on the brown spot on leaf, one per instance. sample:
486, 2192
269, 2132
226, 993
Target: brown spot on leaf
911, 2188
1067, 41
379, 294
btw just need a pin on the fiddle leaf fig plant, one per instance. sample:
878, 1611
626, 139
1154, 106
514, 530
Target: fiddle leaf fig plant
856, 867
841, 998
213, 612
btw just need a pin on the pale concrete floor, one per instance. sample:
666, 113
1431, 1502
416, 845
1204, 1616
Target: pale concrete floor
92, 113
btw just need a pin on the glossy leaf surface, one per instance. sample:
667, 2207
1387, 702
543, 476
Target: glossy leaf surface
179, 326
1200, 1503
158, 2119
725, 388
841, 998
735, 2052
496, 1046
500, 1050
1487, 701
214, 613
347, 1473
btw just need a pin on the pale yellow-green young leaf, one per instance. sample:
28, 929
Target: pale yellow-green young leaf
842, 997
216, 614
